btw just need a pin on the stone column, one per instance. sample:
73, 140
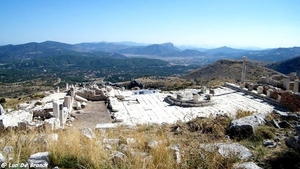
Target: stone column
242, 85
260, 90
195, 97
67, 102
286, 83
278, 98
269, 93
57, 89
67, 86
296, 86
56, 109
250, 87
203, 89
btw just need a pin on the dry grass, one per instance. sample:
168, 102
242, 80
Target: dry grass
73, 149
243, 113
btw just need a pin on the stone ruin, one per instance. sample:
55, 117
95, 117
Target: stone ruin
195, 99
93, 93
278, 89
54, 111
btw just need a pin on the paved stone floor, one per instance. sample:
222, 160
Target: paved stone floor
151, 108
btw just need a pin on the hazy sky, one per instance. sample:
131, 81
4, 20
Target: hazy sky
203, 23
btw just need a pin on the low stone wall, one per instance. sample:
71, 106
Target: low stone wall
269, 100
91, 95
187, 103
291, 101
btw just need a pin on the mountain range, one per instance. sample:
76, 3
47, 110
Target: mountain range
129, 49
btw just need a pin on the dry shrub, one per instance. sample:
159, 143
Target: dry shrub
243, 113
198, 158
213, 126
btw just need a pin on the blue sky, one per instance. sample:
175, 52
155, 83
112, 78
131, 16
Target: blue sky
202, 23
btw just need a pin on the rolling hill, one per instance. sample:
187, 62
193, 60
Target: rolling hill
11, 53
229, 71
287, 66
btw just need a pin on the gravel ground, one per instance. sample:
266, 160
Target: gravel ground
93, 114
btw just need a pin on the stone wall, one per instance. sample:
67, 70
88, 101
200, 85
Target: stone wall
291, 101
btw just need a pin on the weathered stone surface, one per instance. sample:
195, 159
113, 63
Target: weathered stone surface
228, 150
39, 160
245, 127
88, 132
246, 165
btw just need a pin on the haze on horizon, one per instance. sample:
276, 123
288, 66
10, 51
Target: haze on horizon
234, 23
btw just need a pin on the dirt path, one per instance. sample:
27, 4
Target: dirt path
94, 113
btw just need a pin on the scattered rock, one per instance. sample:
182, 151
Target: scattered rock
7, 150
246, 165
107, 147
73, 115
52, 137
269, 143
130, 141
152, 144
79, 112
245, 127
228, 150
88, 132
39, 160
111, 141
83, 105
117, 157
176, 149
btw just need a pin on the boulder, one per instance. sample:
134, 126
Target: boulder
39, 160
229, 150
245, 127
88, 132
